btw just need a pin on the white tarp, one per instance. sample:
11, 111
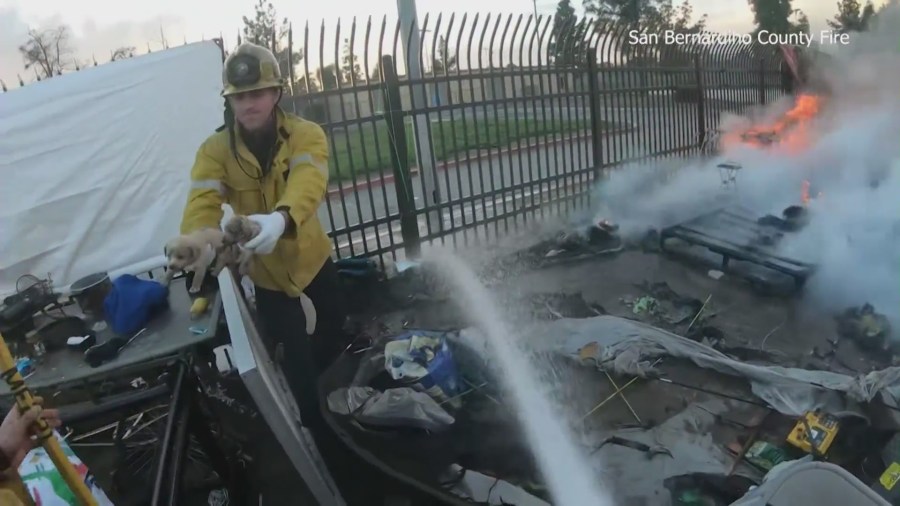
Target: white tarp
629, 347
94, 165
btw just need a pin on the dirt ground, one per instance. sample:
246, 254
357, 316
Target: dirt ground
783, 324
778, 328
760, 325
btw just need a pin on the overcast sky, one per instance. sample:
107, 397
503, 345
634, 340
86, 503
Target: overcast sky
99, 26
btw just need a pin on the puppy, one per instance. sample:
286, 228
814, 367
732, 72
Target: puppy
196, 252
239, 231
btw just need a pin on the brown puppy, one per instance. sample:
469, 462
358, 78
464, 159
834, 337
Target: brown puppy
196, 252
238, 231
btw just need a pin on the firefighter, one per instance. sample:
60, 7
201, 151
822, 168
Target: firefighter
273, 167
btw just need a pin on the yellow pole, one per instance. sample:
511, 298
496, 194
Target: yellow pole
43, 431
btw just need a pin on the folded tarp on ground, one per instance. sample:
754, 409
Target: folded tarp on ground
629, 347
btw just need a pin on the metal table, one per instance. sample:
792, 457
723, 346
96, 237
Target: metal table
167, 335
169, 342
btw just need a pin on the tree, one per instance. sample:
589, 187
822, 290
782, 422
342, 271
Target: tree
266, 29
122, 53
567, 41
48, 51
350, 69
443, 61
328, 77
625, 11
303, 86
564, 24
656, 15
852, 17
679, 19
802, 22
775, 16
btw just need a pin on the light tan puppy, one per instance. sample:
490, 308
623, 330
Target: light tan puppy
238, 231
197, 252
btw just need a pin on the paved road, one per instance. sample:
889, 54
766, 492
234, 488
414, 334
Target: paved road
660, 127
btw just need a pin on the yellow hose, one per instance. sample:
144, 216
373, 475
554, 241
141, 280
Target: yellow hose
43, 431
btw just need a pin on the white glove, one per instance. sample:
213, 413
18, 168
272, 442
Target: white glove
271, 228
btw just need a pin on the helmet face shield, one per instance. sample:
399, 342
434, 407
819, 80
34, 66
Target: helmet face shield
243, 70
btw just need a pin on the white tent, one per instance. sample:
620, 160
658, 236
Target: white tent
94, 165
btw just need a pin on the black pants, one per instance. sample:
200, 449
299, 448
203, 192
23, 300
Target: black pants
305, 356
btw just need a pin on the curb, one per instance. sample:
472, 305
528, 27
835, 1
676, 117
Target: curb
414, 171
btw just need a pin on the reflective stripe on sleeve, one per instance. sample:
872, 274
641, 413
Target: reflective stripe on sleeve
308, 158
207, 184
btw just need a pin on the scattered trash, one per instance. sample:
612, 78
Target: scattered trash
645, 304
814, 432
218, 497
601, 237
590, 351
25, 366
483, 489
666, 305
423, 360
704, 489
395, 407
553, 306
765, 455
869, 329
717, 275
793, 218
42, 479
691, 497
750, 441
651, 451
595, 240
886, 486
699, 312
199, 306
361, 268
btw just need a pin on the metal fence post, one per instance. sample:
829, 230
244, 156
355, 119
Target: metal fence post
596, 125
412, 39
701, 101
762, 81
393, 114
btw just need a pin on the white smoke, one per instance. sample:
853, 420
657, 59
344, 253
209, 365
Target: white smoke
853, 166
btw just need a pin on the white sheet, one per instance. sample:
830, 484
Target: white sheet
94, 165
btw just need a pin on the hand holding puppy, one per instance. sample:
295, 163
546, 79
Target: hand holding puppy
272, 227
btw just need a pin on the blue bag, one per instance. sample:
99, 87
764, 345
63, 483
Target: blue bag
424, 360
132, 302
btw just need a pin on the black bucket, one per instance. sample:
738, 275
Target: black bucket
90, 292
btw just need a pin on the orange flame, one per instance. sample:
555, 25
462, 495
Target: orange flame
789, 132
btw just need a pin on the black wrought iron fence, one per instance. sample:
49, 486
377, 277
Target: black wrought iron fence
471, 125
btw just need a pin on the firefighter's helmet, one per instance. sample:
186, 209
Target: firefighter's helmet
250, 67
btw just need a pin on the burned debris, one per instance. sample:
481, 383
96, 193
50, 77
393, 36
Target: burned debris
679, 382
870, 330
